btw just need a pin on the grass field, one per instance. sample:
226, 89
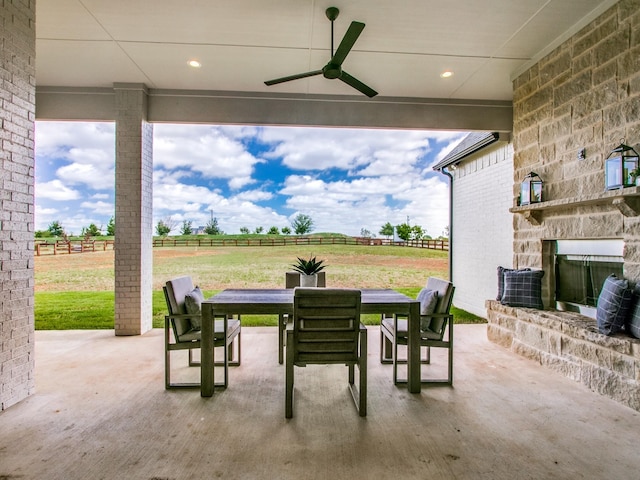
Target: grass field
76, 291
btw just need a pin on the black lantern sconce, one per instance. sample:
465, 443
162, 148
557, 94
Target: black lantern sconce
531, 189
620, 167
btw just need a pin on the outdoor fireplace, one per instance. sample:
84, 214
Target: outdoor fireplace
581, 267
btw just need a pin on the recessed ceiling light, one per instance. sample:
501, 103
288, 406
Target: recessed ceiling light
194, 64
446, 74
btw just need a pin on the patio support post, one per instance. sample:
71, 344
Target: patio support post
17, 118
134, 211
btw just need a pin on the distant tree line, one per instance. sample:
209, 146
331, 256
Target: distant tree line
300, 225
408, 232
55, 229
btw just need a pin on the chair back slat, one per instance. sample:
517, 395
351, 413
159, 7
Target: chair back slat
445, 297
175, 292
326, 325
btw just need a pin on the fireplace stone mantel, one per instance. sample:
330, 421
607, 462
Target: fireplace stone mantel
626, 200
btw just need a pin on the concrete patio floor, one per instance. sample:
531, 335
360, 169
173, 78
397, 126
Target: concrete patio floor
101, 412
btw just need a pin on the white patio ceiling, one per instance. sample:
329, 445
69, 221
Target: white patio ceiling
401, 53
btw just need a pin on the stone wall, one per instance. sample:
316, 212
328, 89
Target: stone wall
584, 94
17, 114
570, 344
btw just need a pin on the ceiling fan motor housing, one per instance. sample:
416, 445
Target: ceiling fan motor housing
331, 71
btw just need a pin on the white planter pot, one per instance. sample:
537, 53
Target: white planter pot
308, 280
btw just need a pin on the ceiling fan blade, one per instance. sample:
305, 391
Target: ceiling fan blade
292, 77
357, 84
354, 31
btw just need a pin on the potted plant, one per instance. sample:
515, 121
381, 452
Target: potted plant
308, 270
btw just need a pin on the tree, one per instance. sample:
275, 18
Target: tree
56, 229
212, 228
244, 230
286, 231
273, 231
186, 228
404, 231
364, 233
387, 230
259, 230
111, 227
417, 233
162, 229
91, 231
302, 224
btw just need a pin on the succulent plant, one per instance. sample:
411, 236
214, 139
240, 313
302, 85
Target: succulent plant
308, 267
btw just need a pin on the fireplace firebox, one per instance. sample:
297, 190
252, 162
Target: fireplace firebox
581, 267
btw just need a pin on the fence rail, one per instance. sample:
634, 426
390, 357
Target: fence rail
79, 246
61, 247
283, 241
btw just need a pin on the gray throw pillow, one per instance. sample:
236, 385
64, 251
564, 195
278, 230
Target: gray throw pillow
193, 303
633, 321
613, 305
501, 271
523, 288
428, 300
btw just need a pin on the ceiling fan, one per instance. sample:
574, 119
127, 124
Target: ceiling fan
333, 69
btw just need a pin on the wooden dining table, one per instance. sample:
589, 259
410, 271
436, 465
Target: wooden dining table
280, 302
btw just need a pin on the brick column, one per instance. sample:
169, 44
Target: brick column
134, 223
17, 115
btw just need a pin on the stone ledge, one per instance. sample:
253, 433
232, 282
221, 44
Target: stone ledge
570, 344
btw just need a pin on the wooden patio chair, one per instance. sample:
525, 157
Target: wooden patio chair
326, 329
182, 330
292, 280
435, 321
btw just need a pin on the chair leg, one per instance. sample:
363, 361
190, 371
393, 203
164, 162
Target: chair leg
362, 409
192, 362
385, 348
282, 323
288, 402
238, 344
395, 361
167, 360
359, 393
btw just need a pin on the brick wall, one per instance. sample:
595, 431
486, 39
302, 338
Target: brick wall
482, 195
17, 114
584, 94
134, 212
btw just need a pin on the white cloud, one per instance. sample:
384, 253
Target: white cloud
370, 152
345, 179
255, 195
97, 177
56, 138
56, 190
349, 206
210, 151
100, 208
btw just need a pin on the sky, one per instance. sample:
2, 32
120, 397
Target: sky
346, 180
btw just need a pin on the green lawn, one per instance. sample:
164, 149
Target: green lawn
76, 291
95, 310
